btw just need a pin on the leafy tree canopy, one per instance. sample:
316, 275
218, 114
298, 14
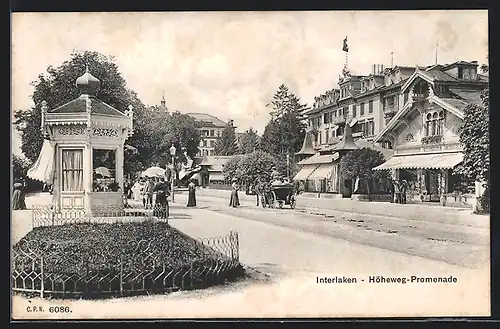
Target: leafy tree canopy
475, 139
57, 87
359, 163
250, 167
227, 143
20, 167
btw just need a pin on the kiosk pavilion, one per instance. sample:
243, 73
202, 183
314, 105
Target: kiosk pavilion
83, 151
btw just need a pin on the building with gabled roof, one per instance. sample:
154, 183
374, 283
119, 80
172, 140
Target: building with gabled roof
424, 131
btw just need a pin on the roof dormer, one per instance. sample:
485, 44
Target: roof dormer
462, 70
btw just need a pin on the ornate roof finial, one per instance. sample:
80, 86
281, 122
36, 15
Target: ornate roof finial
87, 83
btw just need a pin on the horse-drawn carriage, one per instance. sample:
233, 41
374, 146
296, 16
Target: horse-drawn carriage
281, 194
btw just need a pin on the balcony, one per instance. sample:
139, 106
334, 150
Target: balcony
432, 140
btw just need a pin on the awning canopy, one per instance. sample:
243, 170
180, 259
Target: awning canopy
423, 161
317, 159
43, 169
323, 171
305, 171
216, 176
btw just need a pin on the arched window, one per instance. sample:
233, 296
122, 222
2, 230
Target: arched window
441, 123
434, 123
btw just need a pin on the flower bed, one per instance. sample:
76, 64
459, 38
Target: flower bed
100, 259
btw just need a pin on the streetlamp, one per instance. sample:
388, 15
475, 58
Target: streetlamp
172, 153
288, 167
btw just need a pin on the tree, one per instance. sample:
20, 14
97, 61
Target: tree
288, 115
475, 138
20, 167
249, 141
359, 163
176, 129
227, 144
270, 138
57, 87
250, 167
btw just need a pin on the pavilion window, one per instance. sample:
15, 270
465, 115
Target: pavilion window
362, 109
72, 170
104, 164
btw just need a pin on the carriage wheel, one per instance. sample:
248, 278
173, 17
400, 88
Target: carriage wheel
292, 204
273, 200
263, 201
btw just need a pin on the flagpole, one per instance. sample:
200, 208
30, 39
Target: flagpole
437, 44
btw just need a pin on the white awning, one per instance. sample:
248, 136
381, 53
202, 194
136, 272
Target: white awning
423, 161
353, 122
43, 168
216, 176
305, 171
323, 171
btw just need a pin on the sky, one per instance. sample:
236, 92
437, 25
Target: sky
229, 64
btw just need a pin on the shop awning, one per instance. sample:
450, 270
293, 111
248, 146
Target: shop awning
216, 176
43, 169
305, 171
317, 159
423, 161
323, 171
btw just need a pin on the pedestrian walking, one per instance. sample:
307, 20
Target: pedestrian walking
391, 188
191, 194
397, 191
161, 208
234, 201
404, 187
150, 185
18, 197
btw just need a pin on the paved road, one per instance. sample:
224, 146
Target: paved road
460, 245
295, 248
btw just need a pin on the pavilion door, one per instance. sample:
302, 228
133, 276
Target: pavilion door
72, 185
433, 185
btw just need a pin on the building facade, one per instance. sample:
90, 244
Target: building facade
211, 129
410, 111
424, 131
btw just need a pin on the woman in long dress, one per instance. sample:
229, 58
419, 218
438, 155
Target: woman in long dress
18, 202
191, 194
161, 203
234, 201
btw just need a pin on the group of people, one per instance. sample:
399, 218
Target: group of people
399, 191
154, 192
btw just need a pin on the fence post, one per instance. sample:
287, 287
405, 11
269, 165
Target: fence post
191, 275
121, 275
42, 283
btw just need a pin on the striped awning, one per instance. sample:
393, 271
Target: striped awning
423, 161
324, 171
305, 171
43, 168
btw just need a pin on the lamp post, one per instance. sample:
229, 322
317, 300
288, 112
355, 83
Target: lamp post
288, 167
172, 153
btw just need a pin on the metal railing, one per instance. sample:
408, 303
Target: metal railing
156, 265
48, 269
44, 215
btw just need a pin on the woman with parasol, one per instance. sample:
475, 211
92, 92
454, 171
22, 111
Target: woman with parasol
234, 201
